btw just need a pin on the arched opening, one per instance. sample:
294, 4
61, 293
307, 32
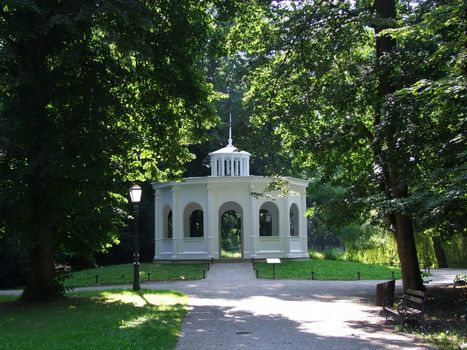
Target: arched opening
269, 220
168, 220
230, 230
193, 221
294, 221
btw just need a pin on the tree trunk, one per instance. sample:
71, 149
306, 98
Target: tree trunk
395, 186
41, 285
439, 252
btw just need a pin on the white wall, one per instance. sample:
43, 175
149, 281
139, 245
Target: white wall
211, 193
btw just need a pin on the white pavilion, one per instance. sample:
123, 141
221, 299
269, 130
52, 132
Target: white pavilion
188, 214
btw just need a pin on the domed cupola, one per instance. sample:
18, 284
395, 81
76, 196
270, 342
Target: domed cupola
230, 161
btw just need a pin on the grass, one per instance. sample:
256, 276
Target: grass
94, 320
444, 323
328, 270
230, 254
123, 274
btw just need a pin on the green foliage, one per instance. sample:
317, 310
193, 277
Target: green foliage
378, 125
91, 97
327, 270
377, 248
123, 274
230, 254
449, 340
230, 234
313, 254
13, 263
98, 320
333, 254
456, 252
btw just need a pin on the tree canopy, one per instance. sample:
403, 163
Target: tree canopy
93, 94
369, 98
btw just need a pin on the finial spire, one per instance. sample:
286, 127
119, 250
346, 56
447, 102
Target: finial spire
230, 127
230, 123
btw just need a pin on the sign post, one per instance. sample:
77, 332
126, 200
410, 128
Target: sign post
274, 262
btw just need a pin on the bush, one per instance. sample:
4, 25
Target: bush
13, 264
333, 254
313, 254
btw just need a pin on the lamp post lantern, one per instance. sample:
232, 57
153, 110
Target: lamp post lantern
135, 196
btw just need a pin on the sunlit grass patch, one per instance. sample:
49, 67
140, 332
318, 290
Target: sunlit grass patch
230, 254
95, 320
142, 299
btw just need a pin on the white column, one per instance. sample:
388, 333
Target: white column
302, 225
210, 223
222, 166
286, 217
247, 167
213, 167
177, 224
158, 224
253, 216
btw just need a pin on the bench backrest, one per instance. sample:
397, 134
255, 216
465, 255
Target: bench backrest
415, 299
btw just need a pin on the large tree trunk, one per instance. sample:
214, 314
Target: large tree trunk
394, 185
41, 285
439, 252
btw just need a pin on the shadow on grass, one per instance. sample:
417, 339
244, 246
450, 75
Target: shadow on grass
95, 320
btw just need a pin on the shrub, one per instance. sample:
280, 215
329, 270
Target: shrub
333, 254
313, 254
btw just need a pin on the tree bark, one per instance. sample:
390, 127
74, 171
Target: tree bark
402, 224
41, 285
439, 252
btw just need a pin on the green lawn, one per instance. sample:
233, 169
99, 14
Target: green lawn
94, 320
123, 274
327, 270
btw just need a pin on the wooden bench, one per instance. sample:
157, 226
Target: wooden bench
410, 307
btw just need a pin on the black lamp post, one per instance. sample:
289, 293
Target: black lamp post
135, 196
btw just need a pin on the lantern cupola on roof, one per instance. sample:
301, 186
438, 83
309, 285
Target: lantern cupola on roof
230, 161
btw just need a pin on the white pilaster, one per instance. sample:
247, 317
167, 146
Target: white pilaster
303, 225
210, 221
286, 217
253, 221
159, 222
177, 224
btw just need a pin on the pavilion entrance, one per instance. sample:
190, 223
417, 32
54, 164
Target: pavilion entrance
230, 231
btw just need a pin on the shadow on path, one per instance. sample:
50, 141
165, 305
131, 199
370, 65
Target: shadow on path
233, 310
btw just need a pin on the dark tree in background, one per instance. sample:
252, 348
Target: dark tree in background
93, 94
